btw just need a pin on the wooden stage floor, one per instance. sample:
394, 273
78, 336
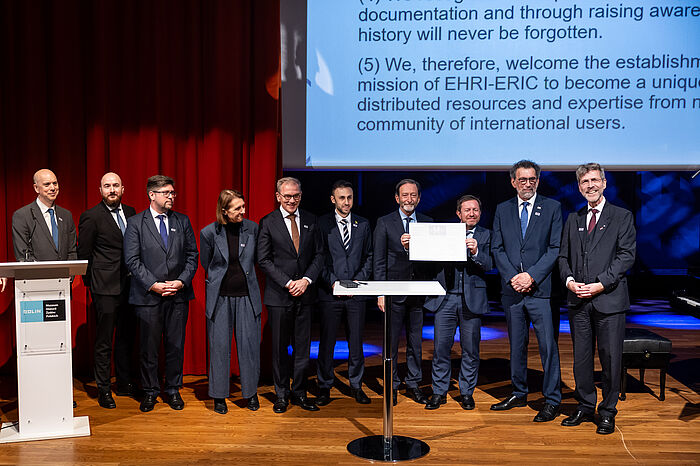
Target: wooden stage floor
649, 431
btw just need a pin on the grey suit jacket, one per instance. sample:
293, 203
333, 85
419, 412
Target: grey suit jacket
32, 239
473, 279
604, 258
149, 261
214, 254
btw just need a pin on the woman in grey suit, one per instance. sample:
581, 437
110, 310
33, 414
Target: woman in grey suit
233, 305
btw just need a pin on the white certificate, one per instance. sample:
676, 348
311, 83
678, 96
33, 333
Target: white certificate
438, 242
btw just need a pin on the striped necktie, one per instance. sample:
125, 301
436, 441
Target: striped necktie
346, 233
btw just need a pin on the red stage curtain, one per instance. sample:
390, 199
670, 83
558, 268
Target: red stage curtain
183, 88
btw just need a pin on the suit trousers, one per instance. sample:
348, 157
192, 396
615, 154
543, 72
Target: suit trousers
587, 326
331, 315
233, 316
115, 323
290, 324
451, 313
518, 317
409, 311
167, 321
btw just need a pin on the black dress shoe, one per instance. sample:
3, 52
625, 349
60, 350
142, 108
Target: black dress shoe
253, 403
220, 406
304, 403
395, 396
547, 413
148, 403
359, 396
105, 400
435, 401
280, 405
510, 403
606, 425
417, 395
124, 389
467, 402
175, 401
324, 397
75, 404
577, 418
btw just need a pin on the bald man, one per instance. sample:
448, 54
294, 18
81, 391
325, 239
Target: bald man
43, 231
101, 244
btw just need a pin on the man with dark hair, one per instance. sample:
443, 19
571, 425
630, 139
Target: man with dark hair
290, 254
160, 251
463, 305
101, 244
597, 249
391, 243
347, 253
43, 231
526, 237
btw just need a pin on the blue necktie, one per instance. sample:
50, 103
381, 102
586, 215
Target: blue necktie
523, 218
407, 220
163, 230
54, 228
122, 227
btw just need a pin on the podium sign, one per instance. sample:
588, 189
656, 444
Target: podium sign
44, 351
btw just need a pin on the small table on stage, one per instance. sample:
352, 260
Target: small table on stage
389, 447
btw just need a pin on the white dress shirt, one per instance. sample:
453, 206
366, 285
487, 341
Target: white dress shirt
45, 212
155, 215
120, 212
529, 208
338, 218
288, 223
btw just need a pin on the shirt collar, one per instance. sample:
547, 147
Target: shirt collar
119, 206
412, 216
155, 214
285, 213
338, 218
43, 207
531, 200
599, 207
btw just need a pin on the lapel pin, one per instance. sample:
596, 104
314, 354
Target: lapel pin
242, 245
306, 226
354, 225
602, 227
581, 229
539, 207
173, 229
537, 213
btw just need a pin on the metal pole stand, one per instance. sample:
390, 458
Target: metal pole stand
388, 447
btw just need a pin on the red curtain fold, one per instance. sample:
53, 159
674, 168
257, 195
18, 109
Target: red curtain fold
180, 88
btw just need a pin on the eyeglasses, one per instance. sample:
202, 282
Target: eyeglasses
289, 197
172, 194
524, 181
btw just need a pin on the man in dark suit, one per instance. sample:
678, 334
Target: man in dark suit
347, 253
463, 306
160, 251
597, 249
290, 254
43, 231
101, 244
391, 242
526, 237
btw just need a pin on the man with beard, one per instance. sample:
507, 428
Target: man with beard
463, 305
43, 231
526, 237
391, 243
101, 244
160, 251
597, 249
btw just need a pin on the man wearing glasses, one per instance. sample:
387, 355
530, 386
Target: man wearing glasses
526, 237
290, 253
160, 251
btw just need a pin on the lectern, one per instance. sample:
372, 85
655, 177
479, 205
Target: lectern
44, 351
389, 447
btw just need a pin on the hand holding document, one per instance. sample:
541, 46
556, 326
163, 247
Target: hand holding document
438, 242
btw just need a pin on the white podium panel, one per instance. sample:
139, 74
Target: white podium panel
44, 352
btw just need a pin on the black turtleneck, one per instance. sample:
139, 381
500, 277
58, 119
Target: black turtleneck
234, 282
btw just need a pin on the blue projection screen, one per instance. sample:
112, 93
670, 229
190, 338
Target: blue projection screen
453, 83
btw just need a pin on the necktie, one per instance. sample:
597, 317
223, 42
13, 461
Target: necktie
346, 234
122, 227
295, 231
470, 233
592, 222
163, 230
407, 220
523, 218
54, 228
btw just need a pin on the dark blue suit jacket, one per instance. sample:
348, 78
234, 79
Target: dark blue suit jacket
535, 254
149, 261
280, 261
390, 258
214, 255
474, 277
606, 258
339, 264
